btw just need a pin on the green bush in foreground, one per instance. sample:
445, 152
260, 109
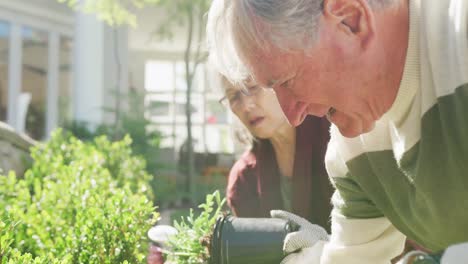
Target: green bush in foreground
10, 255
79, 203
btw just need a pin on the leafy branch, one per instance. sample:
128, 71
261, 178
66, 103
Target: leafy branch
113, 12
189, 244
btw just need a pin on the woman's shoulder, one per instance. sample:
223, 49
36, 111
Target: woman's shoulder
242, 176
244, 166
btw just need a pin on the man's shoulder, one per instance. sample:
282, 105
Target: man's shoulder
378, 139
342, 150
444, 44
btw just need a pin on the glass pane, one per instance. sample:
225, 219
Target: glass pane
181, 137
34, 81
159, 76
4, 50
168, 136
159, 108
199, 80
216, 113
197, 108
65, 80
181, 82
219, 139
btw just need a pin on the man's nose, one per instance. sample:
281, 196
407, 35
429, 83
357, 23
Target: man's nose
317, 109
288, 104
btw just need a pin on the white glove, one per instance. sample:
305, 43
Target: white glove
455, 254
304, 239
309, 255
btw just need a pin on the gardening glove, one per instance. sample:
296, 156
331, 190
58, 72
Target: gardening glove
308, 240
455, 254
309, 255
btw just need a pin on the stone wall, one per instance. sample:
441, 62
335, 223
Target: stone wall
14, 150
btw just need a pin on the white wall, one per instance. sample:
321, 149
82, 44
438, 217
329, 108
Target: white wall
88, 94
96, 68
140, 38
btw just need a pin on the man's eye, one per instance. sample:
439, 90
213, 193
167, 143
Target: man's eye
285, 84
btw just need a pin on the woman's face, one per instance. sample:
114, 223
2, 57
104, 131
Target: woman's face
259, 111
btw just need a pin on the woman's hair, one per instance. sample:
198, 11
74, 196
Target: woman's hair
241, 133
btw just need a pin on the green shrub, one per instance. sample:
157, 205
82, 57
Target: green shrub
166, 191
117, 157
145, 143
206, 185
188, 246
133, 124
79, 203
10, 255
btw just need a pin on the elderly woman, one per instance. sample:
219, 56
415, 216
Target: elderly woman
392, 77
284, 166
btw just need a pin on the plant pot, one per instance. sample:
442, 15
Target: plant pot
249, 240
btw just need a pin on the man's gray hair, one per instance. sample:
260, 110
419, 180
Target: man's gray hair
237, 28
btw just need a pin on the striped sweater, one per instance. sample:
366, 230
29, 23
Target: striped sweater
409, 176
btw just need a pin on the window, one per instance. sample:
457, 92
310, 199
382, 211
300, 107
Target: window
33, 95
166, 101
221, 139
167, 132
159, 76
198, 80
35, 71
159, 108
196, 108
65, 80
4, 51
215, 113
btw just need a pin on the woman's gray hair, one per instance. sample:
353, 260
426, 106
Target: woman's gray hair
238, 28
240, 131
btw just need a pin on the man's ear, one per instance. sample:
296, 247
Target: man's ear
354, 17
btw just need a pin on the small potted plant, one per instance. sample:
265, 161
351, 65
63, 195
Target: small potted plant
214, 237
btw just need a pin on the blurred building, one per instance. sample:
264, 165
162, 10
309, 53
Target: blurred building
57, 65
36, 58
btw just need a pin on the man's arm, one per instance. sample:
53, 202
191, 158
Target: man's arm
360, 232
362, 241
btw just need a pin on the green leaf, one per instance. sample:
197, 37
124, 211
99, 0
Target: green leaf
186, 246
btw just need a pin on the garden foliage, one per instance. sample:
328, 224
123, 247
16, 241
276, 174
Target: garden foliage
133, 123
79, 203
111, 11
190, 245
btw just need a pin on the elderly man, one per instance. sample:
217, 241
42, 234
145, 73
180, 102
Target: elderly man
392, 76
